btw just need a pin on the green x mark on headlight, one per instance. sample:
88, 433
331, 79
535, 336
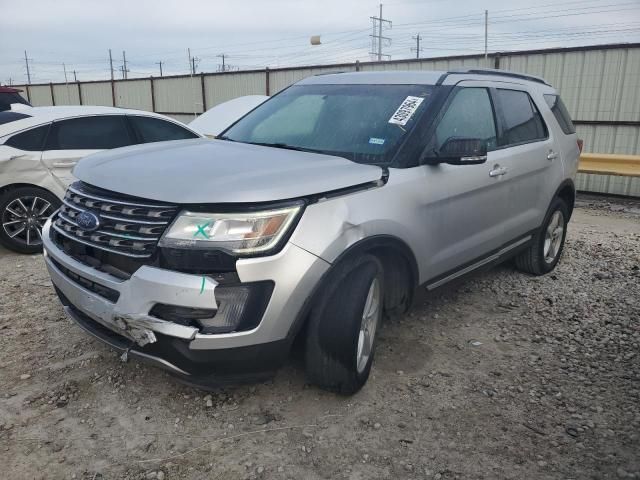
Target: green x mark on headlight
242, 232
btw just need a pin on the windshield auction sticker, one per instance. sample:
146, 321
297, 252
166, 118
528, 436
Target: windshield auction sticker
406, 110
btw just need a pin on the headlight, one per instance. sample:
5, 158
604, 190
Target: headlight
241, 233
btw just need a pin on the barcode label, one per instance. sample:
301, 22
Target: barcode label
406, 110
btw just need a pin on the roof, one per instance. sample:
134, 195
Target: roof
389, 77
9, 90
425, 77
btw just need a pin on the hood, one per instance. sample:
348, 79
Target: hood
217, 171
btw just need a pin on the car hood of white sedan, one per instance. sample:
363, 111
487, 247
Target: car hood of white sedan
218, 171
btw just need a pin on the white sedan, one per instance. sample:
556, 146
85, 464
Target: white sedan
39, 147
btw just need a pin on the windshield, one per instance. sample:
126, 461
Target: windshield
363, 123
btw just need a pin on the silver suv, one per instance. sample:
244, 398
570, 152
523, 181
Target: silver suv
312, 217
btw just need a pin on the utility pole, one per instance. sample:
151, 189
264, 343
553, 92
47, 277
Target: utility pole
66, 82
160, 63
223, 68
377, 23
193, 62
418, 49
111, 64
486, 36
26, 61
125, 70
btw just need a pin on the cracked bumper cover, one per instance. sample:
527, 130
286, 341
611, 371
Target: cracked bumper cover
179, 348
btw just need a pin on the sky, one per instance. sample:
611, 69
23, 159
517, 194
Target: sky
276, 33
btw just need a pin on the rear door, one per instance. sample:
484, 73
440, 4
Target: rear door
71, 139
526, 145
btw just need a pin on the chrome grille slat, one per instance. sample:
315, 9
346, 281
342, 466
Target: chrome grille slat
130, 232
120, 202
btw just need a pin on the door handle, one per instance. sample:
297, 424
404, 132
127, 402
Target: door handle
15, 157
552, 155
498, 171
64, 164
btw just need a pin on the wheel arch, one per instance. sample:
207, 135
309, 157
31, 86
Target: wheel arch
400, 268
14, 186
567, 192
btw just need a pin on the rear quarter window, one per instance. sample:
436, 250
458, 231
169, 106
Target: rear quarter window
561, 113
151, 129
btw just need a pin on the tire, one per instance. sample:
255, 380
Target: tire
32, 204
337, 355
545, 250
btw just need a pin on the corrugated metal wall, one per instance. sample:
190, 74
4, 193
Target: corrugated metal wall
97, 93
600, 85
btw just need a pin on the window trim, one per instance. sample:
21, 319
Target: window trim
503, 123
122, 117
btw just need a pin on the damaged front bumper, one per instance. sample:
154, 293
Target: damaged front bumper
118, 311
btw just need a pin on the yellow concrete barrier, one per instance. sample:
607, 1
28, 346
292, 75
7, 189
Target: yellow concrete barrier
610, 164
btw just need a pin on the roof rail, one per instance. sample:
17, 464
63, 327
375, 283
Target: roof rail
502, 73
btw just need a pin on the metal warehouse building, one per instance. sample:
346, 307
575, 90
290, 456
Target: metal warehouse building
599, 84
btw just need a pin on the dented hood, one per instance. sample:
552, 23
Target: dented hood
216, 171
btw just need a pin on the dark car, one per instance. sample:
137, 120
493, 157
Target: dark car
10, 95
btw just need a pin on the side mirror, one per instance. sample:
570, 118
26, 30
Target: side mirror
460, 151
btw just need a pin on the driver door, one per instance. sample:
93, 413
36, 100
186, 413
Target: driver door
467, 205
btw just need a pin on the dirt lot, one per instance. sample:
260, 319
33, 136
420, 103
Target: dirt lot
500, 376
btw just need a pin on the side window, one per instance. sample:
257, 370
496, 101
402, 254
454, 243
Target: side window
31, 140
89, 133
523, 122
469, 115
561, 113
157, 130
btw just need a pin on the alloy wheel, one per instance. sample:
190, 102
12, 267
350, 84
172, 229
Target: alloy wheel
553, 237
24, 217
368, 325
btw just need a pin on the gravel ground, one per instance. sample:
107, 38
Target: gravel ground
502, 375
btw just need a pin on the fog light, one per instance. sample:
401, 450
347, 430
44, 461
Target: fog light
232, 303
240, 307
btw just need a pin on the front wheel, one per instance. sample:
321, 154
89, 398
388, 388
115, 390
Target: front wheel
543, 254
23, 212
343, 326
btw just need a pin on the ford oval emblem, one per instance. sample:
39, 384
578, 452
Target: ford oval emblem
88, 221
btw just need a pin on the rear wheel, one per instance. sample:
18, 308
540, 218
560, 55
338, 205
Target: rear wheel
545, 250
23, 212
343, 327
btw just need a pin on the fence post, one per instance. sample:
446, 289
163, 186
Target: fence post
113, 93
267, 87
204, 95
53, 97
28, 94
79, 93
153, 95
357, 65
496, 61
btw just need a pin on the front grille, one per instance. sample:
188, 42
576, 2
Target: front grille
128, 226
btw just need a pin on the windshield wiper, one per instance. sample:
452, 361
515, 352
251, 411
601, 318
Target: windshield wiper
285, 146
